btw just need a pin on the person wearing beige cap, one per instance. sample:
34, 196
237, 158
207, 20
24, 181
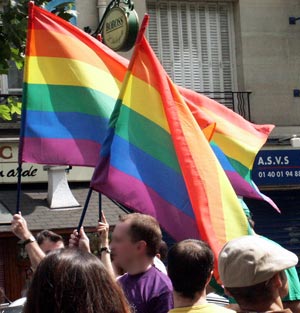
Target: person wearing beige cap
252, 271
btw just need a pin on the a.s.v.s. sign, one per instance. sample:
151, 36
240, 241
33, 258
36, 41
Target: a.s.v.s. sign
277, 167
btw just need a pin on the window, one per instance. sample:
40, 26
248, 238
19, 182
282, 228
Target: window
194, 42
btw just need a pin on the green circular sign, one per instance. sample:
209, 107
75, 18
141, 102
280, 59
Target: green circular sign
120, 29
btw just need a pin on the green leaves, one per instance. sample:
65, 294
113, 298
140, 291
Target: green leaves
12, 107
5, 112
13, 28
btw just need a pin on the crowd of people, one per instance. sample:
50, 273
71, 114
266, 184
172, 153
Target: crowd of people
130, 276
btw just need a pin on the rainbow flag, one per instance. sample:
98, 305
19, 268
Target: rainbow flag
71, 83
66, 110
156, 159
234, 141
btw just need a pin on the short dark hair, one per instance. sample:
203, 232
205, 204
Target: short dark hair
163, 250
190, 263
259, 293
48, 234
73, 281
144, 227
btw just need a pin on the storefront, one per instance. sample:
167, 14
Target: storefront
277, 173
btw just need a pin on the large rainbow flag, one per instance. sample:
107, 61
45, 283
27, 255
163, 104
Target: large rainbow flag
66, 109
157, 160
70, 88
71, 83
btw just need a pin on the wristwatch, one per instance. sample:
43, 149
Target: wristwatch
106, 249
29, 240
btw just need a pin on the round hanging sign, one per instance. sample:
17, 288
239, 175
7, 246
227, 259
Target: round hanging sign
120, 29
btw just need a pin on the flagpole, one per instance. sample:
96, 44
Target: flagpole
19, 188
84, 209
23, 116
100, 207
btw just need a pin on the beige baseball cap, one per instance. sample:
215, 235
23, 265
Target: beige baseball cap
250, 260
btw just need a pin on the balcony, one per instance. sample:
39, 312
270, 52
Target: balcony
237, 101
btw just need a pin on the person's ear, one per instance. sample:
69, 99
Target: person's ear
276, 280
141, 246
209, 278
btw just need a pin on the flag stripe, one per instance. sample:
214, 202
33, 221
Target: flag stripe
239, 132
241, 186
44, 70
230, 165
179, 225
58, 98
198, 166
79, 51
47, 125
150, 106
45, 21
129, 159
239, 176
143, 133
75, 152
224, 115
236, 150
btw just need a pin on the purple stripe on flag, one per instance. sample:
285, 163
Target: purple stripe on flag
48, 151
134, 194
241, 186
244, 189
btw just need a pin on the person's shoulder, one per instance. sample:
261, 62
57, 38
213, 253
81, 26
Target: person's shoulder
156, 274
202, 308
281, 311
160, 265
214, 308
122, 278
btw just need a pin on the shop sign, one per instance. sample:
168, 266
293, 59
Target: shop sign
277, 167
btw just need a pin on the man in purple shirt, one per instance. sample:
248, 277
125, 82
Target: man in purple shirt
135, 242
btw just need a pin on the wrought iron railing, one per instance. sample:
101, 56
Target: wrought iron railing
238, 101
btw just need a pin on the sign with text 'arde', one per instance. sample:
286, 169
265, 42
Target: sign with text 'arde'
277, 168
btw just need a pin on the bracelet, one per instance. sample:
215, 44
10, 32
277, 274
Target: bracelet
29, 240
106, 249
